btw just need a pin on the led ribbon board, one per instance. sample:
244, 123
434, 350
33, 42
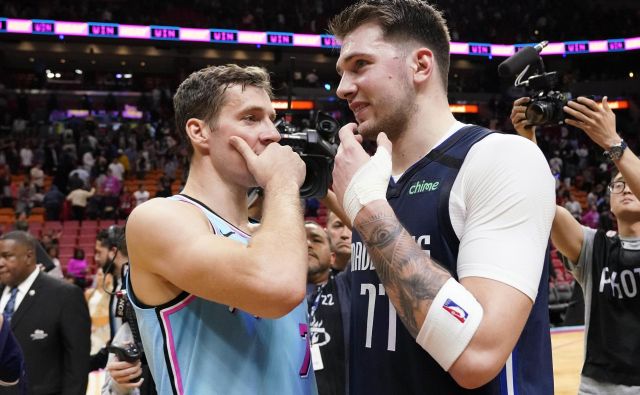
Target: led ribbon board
243, 37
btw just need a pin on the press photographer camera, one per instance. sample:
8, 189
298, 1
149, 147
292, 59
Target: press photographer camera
317, 148
546, 104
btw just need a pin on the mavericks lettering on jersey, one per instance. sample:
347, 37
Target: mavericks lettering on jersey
360, 259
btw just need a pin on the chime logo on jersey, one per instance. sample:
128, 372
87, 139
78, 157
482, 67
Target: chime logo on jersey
456, 311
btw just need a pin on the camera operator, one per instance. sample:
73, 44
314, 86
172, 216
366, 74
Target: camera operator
123, 377
605, 264
111, 259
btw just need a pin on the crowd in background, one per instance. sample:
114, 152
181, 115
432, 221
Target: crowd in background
485, 20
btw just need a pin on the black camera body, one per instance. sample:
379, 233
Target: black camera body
546, 108
317, 148
128, 353
546, 104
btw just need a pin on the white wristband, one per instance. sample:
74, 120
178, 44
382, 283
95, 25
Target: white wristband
452, 320
368, 184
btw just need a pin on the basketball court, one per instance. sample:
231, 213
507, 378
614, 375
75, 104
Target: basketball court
568, 348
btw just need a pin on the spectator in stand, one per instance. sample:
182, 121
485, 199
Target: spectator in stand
77, 268
111, 187
78, 198
82, 173
170, 167
111, 184
52, 203
54, 254
88, 161
141, 167
21, 221
37, 175
126, 204
340, 235
24, 196
164, 187
124, 161
26, 158
50, 238
591, 217
117, 169
141, 195
573, 206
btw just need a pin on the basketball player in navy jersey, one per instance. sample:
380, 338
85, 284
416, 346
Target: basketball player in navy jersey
606, 265
448, 269
219, 302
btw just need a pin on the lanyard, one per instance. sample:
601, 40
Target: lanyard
316, 302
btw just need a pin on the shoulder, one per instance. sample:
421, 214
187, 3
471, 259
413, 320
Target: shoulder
503, 155
58, 286
161, 220
501, 146
162, 210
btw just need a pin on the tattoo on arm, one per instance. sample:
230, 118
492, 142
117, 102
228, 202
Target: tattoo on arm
411, 278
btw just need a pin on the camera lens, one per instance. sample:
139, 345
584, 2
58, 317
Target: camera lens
314, 172
539, 112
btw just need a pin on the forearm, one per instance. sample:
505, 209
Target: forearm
331, 201
282, 220
411, 279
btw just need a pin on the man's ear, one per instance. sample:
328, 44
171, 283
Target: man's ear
424, 64
198, 132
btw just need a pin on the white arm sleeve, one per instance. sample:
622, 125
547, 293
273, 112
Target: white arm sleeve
502, 205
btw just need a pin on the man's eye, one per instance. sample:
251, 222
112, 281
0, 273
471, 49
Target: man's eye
360, 63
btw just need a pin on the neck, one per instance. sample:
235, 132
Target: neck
319, 278
629, 229
226, 199
118, 263
427, 125
341, 261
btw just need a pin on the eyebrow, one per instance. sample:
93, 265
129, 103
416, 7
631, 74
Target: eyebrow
272, 114
348, 59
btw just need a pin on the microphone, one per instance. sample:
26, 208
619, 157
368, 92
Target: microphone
517, 62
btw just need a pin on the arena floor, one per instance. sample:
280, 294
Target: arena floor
567, 345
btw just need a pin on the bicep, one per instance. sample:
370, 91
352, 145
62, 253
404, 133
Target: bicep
567, 234
509, 212
193, 259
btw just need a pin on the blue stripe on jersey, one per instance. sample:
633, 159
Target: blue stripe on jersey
195, 346
514, 376
503, 381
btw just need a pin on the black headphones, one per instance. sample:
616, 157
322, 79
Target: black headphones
115, 238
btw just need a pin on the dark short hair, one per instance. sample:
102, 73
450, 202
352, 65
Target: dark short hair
202, 94
400, 20
112, 237
324, 231
22, 238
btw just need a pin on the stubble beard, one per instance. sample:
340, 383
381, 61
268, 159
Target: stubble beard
393, 121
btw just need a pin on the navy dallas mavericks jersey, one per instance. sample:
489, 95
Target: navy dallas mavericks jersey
385, 359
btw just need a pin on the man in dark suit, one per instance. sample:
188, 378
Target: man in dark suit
49, 318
